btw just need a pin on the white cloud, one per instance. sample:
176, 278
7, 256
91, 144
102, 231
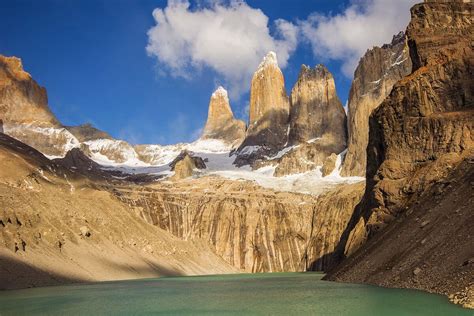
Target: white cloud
229, 37
364, 24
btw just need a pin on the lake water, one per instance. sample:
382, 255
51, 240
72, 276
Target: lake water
261, 294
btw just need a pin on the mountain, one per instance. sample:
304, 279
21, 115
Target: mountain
221, 124
267, 130
25, 113
317, 123
57, 226
315, 110
23, 101
378, 70
420, 156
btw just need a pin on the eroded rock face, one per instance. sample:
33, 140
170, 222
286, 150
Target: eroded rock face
252, 228
184, 168
305, 157
315, 110
43, 209
22, 100
429, 115
377, 72
184, 164
25, 112
221, 124
419, 135
269, 109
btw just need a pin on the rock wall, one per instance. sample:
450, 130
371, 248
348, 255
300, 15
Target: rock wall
269, 109
420, 133
254, 229
378, 70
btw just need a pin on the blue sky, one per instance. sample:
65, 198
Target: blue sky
92, 55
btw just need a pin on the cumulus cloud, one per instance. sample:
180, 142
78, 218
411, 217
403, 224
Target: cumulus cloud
364, 24
230, 37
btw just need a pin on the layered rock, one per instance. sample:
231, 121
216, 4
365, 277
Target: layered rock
418, 136
252, 228
378, 70
221, 124
269, 109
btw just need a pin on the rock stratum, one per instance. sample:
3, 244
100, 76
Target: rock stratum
419, 171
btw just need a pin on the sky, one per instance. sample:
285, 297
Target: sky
144, 70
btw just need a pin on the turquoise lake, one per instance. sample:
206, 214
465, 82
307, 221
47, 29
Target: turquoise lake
240, 294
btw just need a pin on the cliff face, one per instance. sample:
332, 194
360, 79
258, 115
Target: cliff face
25, 113
316, 111
378, 70
418, 136
252, 228
269, 111
221, 124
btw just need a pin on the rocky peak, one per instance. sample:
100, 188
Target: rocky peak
25, 112
269, 107
419, 160
22, 100
378, 70
315, 110
221, 123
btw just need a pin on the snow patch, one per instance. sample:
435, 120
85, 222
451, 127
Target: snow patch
269, 60
220, 92
247, 150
